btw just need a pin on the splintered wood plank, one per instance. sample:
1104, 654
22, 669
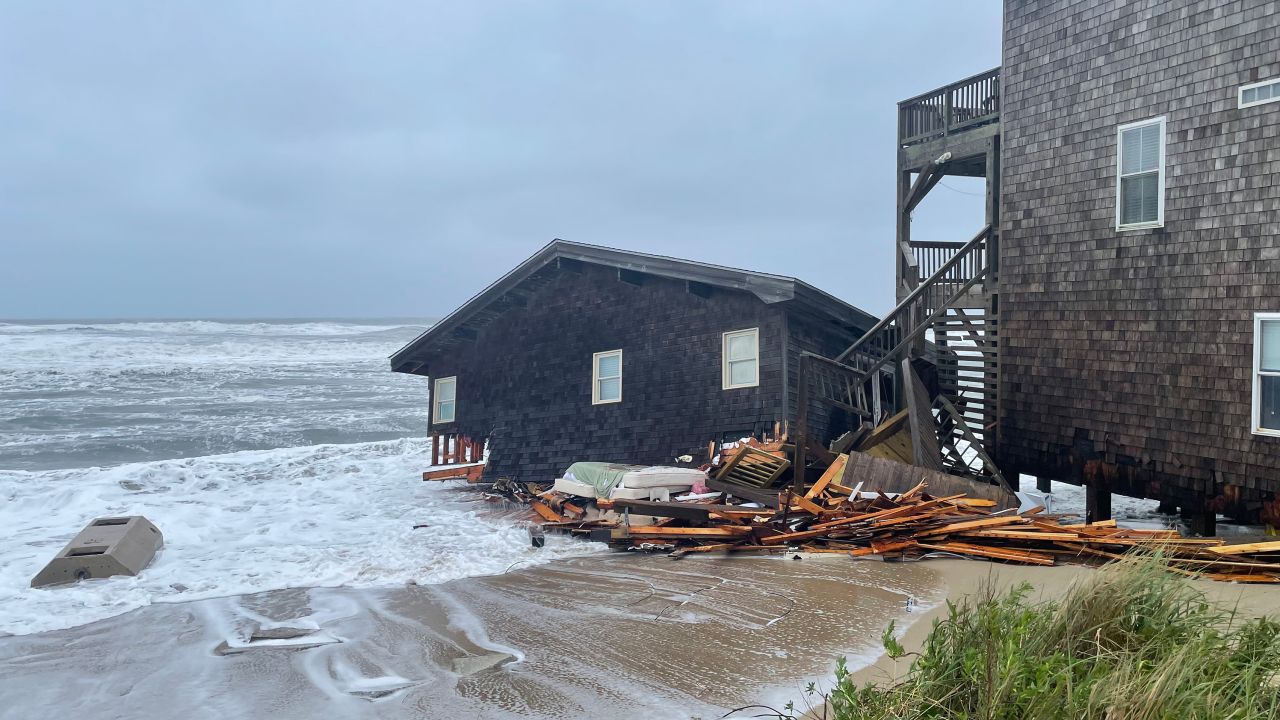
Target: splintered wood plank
815, 531
880, 547
1023, 556
470, 473
835, 470
1242, 578
973, 525
545, 511
1021, 535
681, 552
1209, 544
804, 504
1262, 547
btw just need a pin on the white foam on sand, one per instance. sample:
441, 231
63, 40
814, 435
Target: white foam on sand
245, 522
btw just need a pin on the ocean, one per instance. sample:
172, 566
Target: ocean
271, 454
282, 460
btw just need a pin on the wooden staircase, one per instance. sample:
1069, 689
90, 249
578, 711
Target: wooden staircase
949, 318
948, 304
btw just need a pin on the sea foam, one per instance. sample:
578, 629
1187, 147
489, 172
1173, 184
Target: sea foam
244, 522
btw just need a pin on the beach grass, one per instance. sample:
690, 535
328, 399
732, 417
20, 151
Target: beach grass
1129, 641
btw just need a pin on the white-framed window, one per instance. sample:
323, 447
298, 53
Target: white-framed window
741, 353
444, 398
1266, 373
1259, 93
606, 377
1140, 175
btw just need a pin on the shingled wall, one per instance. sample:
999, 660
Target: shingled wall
525, 380
1127, 356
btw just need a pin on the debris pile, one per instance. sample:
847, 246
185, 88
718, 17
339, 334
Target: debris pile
833, 518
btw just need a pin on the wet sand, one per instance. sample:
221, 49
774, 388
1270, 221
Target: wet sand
603, 636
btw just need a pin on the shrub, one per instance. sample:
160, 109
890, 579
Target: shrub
1129, 642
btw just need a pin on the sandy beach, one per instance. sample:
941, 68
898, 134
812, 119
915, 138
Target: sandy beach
619, 636
606, 635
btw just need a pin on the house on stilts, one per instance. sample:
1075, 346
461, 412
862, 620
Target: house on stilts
1116, 322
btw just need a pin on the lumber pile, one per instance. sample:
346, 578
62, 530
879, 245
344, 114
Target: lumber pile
834, 518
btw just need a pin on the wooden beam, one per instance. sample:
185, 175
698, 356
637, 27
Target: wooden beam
833, 471
684, 511
678, 532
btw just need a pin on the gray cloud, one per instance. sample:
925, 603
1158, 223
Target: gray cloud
374, 159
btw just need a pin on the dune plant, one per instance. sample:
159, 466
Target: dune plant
1129, 641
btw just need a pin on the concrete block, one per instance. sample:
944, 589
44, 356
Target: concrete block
479, 663
107, 546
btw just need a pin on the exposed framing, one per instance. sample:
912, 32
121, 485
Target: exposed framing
726, 376
1275, 93
1255, 418
596, 378
1160, 176
436, 399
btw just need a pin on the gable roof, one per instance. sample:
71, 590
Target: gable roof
463, 323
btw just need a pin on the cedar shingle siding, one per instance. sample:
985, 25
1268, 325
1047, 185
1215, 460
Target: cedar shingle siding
525, 381
1134, 349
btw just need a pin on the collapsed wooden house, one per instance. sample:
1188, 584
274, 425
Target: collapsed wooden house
590, 353
1115, 323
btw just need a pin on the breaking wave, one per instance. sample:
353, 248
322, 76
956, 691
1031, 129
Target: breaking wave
246, 522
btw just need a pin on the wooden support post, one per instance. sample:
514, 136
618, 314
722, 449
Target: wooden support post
1200, 521
1097, 503
1044, 484
435, 448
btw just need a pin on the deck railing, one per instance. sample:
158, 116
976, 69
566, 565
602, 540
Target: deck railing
959, 106
931, 255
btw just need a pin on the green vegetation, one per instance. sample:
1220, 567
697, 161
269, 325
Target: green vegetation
1131, 641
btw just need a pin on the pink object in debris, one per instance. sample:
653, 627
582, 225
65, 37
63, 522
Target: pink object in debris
699, 487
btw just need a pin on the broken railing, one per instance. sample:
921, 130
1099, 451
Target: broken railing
824, 386
455, 449
961, 105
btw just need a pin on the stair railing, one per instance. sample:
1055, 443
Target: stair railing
909, 321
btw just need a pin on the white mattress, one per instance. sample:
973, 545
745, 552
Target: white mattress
662, 494
621, 493
667, 477
573, 487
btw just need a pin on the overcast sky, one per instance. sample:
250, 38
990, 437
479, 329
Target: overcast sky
277, 159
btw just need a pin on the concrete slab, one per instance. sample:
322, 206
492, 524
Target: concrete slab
107, 546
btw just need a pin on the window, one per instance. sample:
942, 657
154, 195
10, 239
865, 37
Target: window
741, 358
1267, 91
1266, 373
1140, 175
444, 398
606, 377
